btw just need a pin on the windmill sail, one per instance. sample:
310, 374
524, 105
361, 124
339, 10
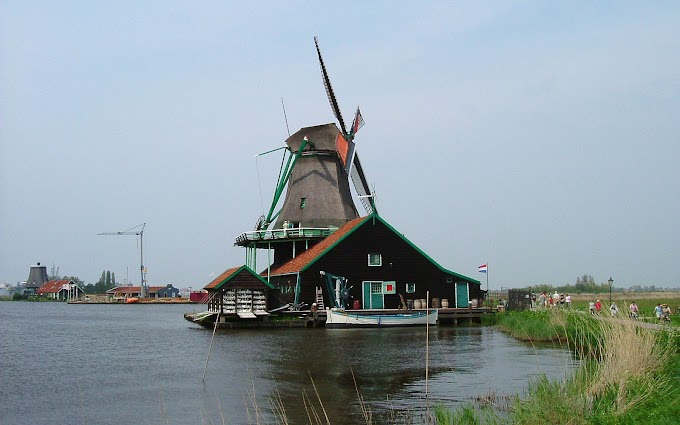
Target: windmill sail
329, 89
361, 184
344, 142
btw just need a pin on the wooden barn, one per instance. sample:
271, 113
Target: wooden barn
64, 289
239, 291
382, 269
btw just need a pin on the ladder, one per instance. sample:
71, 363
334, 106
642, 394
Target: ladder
319, 298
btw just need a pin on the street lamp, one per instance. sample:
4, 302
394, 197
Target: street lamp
611, 282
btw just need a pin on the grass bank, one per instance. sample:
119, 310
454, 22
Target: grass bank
628, 374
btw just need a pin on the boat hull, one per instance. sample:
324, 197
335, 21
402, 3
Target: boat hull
343, 319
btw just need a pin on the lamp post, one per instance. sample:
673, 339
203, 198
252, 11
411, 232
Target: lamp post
611, 282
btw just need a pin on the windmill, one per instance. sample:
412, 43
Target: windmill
317, 178
320, 162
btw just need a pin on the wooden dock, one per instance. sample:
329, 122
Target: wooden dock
307, 319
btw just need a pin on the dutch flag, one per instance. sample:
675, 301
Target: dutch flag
482, 268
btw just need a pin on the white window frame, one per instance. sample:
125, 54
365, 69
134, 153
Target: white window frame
379, 259
412, 287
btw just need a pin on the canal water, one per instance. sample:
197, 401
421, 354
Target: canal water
144, 364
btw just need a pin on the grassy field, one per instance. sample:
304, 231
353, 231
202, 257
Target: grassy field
646, 302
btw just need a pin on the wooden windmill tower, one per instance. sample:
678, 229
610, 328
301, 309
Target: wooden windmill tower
321, 160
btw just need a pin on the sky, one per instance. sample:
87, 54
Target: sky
540, 137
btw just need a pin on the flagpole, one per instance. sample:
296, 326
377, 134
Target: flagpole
488, 295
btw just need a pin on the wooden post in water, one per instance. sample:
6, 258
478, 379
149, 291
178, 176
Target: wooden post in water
205, 369
427, 341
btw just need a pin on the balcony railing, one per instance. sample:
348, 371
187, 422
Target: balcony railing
277, 234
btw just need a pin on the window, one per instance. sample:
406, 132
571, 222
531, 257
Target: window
376, 288
410, 288
303, 202
374, 259
286, 289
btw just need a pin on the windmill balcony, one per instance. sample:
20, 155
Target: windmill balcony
284, 234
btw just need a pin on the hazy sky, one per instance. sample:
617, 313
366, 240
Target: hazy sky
542, 137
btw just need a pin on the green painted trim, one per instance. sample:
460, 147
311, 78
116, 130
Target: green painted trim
281, 185
247, 269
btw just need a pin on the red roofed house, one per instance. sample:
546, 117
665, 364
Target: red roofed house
379, 263
64, 289
121, 293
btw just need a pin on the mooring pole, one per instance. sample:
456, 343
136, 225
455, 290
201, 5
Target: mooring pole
217, 319
427, 341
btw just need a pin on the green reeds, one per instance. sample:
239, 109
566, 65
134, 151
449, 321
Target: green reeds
628, 374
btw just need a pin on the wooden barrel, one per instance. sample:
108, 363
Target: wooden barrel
445, 303
409, 304
356, 305
435, 303
417, 305
423, 303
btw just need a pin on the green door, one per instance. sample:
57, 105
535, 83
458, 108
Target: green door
462, 295
373, 295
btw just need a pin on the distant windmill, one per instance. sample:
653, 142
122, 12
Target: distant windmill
143, 288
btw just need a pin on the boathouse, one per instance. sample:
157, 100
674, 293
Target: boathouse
380, 266
239, 291
63, 289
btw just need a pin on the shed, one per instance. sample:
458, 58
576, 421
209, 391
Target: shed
239, 291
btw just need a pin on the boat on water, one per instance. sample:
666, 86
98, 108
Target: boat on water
338, 318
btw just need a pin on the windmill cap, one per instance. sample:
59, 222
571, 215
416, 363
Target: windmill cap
322, 137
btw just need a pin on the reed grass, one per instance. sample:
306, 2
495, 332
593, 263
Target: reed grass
628, 374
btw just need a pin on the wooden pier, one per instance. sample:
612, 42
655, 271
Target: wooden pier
307, 319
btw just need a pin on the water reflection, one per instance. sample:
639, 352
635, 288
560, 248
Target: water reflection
388, 365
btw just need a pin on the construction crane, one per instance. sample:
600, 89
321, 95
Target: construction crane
144, 290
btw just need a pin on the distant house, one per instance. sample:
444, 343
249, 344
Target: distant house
167, 291
124, 292
64, 290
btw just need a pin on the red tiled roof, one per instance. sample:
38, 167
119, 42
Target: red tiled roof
52, 286
221, 278
298, 263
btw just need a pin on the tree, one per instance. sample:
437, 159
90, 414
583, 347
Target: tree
113, 279
108, 278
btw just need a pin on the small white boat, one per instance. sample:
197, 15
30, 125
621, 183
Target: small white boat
336, 318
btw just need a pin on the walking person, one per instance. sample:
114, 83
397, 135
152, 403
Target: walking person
567, 300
